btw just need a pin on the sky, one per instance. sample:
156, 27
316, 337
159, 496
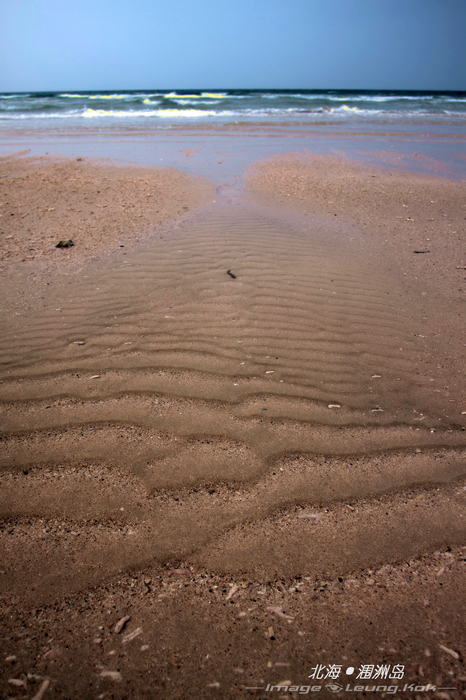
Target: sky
66, 45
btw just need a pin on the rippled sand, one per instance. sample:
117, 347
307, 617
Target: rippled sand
296, 425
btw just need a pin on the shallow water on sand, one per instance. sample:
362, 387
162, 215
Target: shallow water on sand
157, 365
303, 332
222, 152
258, 305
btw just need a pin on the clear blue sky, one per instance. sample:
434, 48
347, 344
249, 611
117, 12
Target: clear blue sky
166, 44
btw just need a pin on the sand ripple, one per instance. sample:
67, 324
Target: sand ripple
153, 407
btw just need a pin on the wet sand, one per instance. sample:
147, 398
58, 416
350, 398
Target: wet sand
265, 472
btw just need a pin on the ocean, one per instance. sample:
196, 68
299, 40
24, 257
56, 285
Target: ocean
161, 109
217, 133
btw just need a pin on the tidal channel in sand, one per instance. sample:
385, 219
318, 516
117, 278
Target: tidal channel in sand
176, 436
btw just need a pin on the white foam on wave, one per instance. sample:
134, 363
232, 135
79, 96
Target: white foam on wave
44, 115
265, 113
355, 110
197, 102
358, 98
112, 113
175, 95
14, 97
212, 95
90, 113
116, 96
108, 97
164, 113
187, 113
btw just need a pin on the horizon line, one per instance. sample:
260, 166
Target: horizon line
235, 89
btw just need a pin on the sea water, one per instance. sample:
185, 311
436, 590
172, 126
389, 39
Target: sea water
168, 109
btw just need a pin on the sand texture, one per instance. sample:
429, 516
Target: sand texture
96, 205
265, 470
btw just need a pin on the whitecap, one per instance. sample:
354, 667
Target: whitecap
107, 97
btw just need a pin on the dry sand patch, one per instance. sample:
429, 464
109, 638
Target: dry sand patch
397, 212
96, 205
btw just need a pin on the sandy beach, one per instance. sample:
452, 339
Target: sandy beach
233, 430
